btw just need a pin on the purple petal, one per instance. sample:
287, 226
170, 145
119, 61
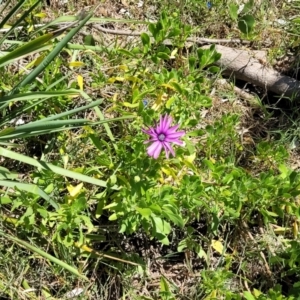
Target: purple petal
175, 135
174, 141
173, 129
155, 139
171, 137
160, 124
154, 136
162, 127
149, 131
155, 149
168, 121
166, 150
170, 149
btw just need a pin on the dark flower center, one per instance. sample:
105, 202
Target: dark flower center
161, 137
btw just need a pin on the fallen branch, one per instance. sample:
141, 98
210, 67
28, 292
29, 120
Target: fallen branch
240, 63
195, 40
243, 65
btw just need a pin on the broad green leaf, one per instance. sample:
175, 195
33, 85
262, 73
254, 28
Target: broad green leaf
145, 39
172, 215
145, 212
247, 7
161, 225
249, 296
6, 174
246, 24
233, 11
89, 40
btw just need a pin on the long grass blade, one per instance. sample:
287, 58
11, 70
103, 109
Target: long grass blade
47, 127
38, 95
46, 166
47, 60
71, 112
101, 117
25, 49
30, 188
19, 21
12, 12
44, 254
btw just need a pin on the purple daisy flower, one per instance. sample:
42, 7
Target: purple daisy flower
162, 136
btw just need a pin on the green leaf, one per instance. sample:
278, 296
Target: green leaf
247, 7
46, 166
214, 69
246, 24
25, 49
192, 62
177, 86
161, 226
38, 95
126, 52
152, 28
50, 57
182, 245
18, 21
141, 95
145, 39
249, 296
171, 214
6, 174
44, 254
164, 287
13, 11
233, 11
113, 217
145, 212
89, 40
30, 188
7, 131
163, 55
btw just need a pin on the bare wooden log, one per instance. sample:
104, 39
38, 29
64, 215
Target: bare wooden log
243, 65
